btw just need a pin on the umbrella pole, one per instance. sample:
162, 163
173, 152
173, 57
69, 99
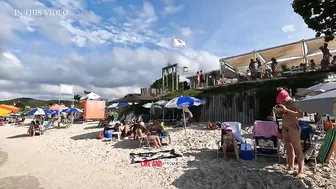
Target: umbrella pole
185, 123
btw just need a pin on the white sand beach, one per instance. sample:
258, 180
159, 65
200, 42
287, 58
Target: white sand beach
74, 158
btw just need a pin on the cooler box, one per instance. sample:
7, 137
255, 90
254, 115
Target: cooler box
246, 151
108, 135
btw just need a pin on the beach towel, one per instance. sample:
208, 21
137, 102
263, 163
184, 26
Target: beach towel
149, 156
236, 128
266, 129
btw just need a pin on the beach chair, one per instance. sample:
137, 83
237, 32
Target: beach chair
142, 140
266, 132
41, 132
236, 130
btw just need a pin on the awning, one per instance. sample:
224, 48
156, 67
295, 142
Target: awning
285, 51
239, 61
314, 45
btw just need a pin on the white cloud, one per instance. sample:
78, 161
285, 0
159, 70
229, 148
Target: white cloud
288, 28
186, 32
119, 10
35, 73
35, 77
171, 9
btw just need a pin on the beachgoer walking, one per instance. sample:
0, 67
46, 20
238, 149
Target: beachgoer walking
202, 78
198, 79
291, 131
273, 66
326, 56
259, 68
252, 69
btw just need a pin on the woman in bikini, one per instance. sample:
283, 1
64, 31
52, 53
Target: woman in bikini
230, 143
291, 131
142, 130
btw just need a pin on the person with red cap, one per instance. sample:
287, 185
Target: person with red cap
230, 143
291, 131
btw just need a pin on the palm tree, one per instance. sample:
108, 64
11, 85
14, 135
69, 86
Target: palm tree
77, 99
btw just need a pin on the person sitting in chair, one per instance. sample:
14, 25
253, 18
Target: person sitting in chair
142, 132
230, 143
212, 126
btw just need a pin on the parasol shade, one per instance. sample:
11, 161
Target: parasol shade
13, 109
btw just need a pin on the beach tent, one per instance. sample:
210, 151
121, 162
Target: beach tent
318, 89
324, 103
13, 109
92, 96
4, 112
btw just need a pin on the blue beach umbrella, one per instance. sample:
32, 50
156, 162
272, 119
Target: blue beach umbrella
183, 102
116, 105
72, 110
39, 111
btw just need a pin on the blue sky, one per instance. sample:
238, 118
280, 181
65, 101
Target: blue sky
105, 38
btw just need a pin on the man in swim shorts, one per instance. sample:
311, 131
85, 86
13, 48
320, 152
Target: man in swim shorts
291, 130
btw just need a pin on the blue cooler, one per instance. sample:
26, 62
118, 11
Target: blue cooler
108, 135
246, 151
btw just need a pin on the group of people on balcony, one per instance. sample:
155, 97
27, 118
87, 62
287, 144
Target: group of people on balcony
256, 69
200, 79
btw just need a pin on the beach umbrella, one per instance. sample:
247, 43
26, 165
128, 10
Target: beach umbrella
57, 107
39, 111
324, 103
183, 102
56, 112
13, 109
117, 105
72, 110
318, 89
4, 112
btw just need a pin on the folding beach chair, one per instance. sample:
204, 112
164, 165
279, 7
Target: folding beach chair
266, 132
143, 141
41, 132
236, 130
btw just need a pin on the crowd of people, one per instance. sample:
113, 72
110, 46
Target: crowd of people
136, 129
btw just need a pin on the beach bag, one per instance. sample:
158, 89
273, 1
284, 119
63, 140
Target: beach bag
100, 136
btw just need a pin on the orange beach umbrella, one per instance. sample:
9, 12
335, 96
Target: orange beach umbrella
12, 109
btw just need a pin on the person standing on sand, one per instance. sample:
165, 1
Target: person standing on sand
291, 131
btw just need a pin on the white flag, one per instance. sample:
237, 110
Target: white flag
66, 89
177, 42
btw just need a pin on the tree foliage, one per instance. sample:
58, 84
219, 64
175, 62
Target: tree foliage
319, 15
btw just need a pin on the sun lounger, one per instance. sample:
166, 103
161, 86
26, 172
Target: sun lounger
236, 130
266, 132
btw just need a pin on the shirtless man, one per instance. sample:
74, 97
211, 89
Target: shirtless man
325, 62
291, 131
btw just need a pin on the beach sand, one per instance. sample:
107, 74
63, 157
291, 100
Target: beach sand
74, 158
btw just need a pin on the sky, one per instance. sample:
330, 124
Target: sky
116, 47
